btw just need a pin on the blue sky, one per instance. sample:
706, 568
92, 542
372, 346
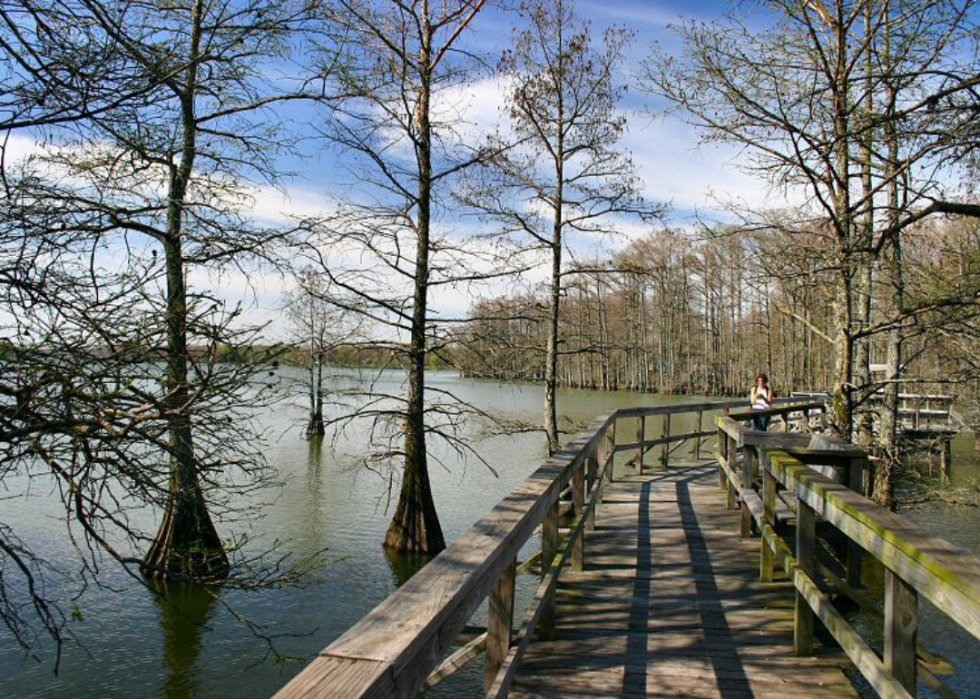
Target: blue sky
665, 151
673, 169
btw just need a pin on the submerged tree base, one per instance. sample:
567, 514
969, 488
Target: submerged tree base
187, 547
415, 527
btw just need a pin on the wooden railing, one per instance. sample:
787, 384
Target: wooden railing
763, 472
916, 411
403, 643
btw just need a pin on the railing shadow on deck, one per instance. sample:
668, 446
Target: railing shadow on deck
405, 643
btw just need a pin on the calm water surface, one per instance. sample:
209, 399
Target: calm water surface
131, 643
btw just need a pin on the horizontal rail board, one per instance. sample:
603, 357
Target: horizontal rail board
393, 649
944, 574
632, 446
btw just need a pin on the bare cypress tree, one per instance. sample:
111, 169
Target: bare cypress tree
150, 181
813, 124
400, 67
565, 174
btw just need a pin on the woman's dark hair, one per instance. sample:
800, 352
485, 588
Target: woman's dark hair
765, 379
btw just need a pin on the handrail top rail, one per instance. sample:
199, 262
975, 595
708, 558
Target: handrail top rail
681, 408
923, 396
788, 405
943, 573
422, 617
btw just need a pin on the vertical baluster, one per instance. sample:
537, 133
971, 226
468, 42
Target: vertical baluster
578, 502
723, 452
549, 549
499, 623
697, 440
901, 625
806, 557
855, 481
665, 455
593, 466
749, 459
641, 425
768, 517
612, 450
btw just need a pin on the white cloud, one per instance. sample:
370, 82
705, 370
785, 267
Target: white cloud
675, 170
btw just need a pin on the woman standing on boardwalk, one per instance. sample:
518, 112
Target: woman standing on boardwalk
761, 398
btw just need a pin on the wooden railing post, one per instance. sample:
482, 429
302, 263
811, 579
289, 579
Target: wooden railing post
592, 462
768, 517
901, 625
641, 425
723, 450
806, 557
578, 502
855, 481
749, 459
612, 449
697, 440
549, 549
945, 459
499, 623
665, 454
731, 497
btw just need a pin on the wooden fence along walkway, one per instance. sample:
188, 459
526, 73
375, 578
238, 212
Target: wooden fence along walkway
653, 585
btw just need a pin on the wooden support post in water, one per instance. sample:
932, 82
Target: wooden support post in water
549, 549
855, 481
499, 623
641, 428
945, 459
697, 440
768, 517
665, 454
578, 502
901, 625
806, 521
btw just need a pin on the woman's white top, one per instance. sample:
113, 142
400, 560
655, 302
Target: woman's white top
761, 398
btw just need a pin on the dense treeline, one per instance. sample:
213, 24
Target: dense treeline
703, 313
672, 313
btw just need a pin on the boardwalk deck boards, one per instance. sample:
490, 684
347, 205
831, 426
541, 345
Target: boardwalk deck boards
669, 604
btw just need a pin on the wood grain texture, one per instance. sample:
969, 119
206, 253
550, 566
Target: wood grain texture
669, 605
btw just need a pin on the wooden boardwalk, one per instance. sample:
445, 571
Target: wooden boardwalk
670, 604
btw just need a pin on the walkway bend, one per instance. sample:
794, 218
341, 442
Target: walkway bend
670, 604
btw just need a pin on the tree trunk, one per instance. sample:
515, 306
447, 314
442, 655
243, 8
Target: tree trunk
415, 527
884, 484
187, 546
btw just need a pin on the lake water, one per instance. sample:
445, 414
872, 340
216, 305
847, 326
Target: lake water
130, 643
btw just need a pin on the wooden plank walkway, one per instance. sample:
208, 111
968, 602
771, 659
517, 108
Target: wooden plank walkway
670, 604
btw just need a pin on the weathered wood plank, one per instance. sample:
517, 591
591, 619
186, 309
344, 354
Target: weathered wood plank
901, 625
670, 605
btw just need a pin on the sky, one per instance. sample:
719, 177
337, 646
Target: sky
672, 168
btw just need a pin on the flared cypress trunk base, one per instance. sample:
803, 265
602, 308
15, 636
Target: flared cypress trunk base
415, 527
315, 427
187, 547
